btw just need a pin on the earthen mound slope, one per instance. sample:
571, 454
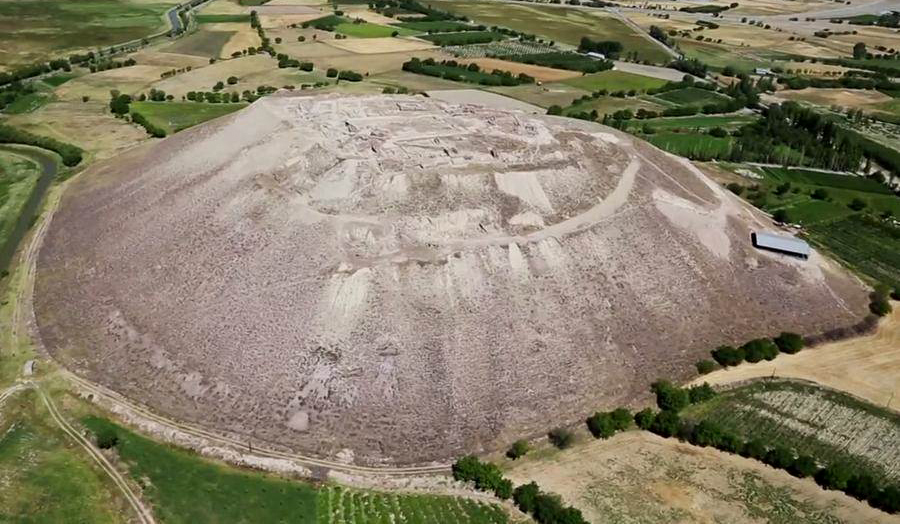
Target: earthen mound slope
399, 280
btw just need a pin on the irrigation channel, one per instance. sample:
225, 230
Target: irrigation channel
49, 165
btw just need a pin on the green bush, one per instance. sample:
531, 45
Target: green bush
789, 342
669, 397
804, 466
728, 355
71, 155
644, 418
666, 424
705, 366
835, 476
331, 73
759, 349
518, 449
562, 438
107, 438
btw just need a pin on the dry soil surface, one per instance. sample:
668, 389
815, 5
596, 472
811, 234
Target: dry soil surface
868, 367
398, 279
638, 477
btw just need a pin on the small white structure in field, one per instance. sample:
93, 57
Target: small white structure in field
780, 244
762, 71
598, 56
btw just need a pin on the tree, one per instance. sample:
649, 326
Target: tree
820, 194
525, 497
621, 418
859, 51
107, 438
735, 188
562, 438
857, 204
758, 349
781, 215
644, 418
862, 486
879, 306
518, 449
789, 342
779, 457
728, 355
804, 466
756, 449
705, 366
701, 393
669, 397
232, 80
119, 103
888, 499
666, 424
601, 425
554, 110
835, 476
331, 73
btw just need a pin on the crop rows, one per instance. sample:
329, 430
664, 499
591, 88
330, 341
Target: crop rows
866, 245
337, 505
855, 183
820, 423
498, 49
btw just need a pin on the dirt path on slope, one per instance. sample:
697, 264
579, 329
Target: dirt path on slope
867, 366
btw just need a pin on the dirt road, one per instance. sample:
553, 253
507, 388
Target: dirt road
868, 366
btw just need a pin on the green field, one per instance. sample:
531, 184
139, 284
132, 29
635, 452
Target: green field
437, 26
28, 103
184, 488
201, 43
825, 424
463, 38
610, 104
57, 79
692, 96
367, 30
560, 24
694, 146
44, 478
830, 180
717, 56
867, 245
32, 30
175, 116
18, 177
221, 19
614, 81
700, 122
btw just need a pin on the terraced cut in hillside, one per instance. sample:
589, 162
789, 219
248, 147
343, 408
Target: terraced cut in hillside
394, 279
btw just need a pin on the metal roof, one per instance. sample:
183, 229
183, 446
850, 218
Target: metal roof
789, 244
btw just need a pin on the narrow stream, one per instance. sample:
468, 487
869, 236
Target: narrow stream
49, 165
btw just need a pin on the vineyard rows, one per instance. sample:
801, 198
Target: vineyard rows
498, 49
337, 505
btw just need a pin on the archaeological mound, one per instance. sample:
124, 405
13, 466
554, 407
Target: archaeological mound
397, 280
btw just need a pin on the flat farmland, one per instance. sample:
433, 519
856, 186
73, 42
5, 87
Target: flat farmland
692, 96
262, 68
34, 29
97, 85
867, 366
18, 178
543, 74
561, 24
204, 42
693, 146
637, 477
175, 116
700, 122
372, 64
374, 46
370, 30
615, 81
610, 104
856, 98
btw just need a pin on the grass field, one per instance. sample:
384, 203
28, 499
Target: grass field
615, 81
185, 488
609, 104
692, 96
700, 122
437, 26
811, 420
35, 29
870, 246
368, 30
44, 479
717, 56
175, 116
222, 18
694, 146
18, 177
28, 103
463, 38
559, 24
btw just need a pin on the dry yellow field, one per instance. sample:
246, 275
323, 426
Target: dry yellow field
97, 85
544, 74
170, 60
306, 50
374, 46
263, 69
871, 36
88, 125
638, 477
243, 37
829, 97
868, 366
224, 7
373, 64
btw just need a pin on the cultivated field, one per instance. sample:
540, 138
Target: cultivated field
640, 478
566, 25
32, 30
867, 366
175, 116
18, 177
543, 74
510, 252
615, 81
845, 98
826, 424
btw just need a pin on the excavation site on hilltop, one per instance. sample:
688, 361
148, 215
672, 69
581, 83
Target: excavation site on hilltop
398, 280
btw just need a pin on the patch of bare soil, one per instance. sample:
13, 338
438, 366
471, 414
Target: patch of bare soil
637, 477
395, 279
867, 366
829, 97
